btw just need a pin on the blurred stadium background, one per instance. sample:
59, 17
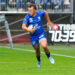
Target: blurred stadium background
60, 12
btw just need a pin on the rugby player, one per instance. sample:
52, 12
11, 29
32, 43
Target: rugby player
37, 33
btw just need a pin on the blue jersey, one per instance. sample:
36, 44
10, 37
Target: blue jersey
36, 21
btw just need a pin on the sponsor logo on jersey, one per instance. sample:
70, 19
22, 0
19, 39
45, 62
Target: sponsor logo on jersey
37, 26
31, 20
39, 18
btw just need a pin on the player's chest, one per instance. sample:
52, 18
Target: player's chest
35, 19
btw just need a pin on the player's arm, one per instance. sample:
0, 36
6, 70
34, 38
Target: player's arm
25, 23
48, 19
25, 28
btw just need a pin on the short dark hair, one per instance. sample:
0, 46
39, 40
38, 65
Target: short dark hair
32, 5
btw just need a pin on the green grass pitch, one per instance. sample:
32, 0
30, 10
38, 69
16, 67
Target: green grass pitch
22, 61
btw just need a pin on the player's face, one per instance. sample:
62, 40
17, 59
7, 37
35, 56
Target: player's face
31, 11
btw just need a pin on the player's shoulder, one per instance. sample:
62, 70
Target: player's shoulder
41, 12
27, 16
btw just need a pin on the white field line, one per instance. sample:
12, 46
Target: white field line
27, 50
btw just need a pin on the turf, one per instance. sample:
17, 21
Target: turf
20, 62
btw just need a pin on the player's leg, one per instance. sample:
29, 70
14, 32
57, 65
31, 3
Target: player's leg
37, 52
43, 43
35, 44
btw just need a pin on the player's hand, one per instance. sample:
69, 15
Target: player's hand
31, 31
50, 24
53, 26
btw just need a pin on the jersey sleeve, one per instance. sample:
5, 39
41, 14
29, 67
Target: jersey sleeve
25, 21
42, 13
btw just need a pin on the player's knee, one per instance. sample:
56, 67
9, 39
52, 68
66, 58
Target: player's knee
44, 46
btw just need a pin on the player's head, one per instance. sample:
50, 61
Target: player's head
32, 9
